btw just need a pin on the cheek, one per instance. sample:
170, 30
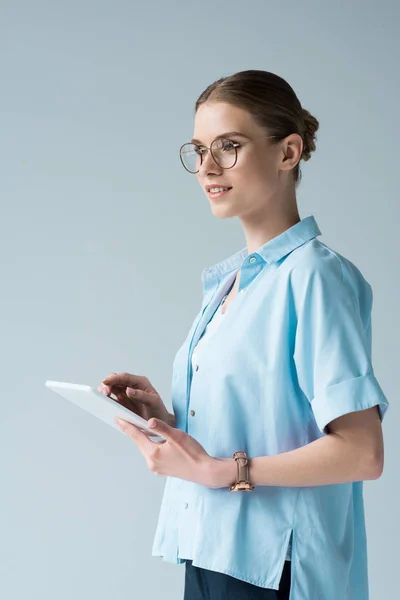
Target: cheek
254, 176
264, 167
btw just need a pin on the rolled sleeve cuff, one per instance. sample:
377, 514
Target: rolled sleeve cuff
348, 396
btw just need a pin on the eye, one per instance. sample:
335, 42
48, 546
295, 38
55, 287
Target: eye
200, 150
229, 145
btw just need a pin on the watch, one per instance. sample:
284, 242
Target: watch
242, 480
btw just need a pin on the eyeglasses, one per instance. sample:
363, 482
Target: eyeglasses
223, 151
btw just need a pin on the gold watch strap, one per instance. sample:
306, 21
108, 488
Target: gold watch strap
242, 481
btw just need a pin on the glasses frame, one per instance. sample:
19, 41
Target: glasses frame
235, 144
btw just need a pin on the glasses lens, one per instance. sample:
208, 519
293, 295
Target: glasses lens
190, 157
224, 152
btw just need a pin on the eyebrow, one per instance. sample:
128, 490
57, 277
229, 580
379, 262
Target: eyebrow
228, 133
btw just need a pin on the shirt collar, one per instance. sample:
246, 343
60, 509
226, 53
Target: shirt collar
272, 251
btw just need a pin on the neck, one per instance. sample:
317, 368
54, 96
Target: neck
258, 231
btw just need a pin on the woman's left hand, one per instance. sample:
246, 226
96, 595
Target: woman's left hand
180, 456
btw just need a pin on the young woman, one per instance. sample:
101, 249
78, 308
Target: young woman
277, 411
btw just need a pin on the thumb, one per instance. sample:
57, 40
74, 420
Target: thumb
161, 427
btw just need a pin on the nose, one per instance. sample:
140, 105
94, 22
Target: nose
209, 165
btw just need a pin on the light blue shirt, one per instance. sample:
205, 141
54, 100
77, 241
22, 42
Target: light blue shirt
292, 353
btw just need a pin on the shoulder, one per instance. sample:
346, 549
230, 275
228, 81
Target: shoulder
316, 266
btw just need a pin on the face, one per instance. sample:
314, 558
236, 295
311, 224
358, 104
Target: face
261, 175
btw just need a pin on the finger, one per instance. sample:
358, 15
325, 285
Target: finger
141, 439
110, 382
141, 396
123, 379
104, 389
128, 403
117, 396
171, 434
110, 389
111, 375
127, 428
107, 391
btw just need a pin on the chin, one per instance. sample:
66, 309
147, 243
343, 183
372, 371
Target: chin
223, 212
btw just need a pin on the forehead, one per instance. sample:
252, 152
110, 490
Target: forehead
216, 118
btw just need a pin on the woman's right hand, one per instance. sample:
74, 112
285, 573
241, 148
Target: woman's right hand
136, 393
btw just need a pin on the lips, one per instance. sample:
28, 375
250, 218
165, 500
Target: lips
216, 185
215, 195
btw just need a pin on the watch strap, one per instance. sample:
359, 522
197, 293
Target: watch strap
242, 480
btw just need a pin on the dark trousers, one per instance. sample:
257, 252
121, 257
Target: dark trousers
203, 584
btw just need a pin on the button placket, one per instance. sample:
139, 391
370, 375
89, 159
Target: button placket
192, 412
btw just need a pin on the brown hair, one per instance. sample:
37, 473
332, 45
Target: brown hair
273, 104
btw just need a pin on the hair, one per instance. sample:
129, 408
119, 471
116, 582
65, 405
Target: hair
272, 103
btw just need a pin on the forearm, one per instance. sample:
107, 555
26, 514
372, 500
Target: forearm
327, 460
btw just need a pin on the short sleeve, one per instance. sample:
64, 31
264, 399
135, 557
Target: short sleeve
332, 349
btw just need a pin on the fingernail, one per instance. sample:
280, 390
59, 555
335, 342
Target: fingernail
131, 391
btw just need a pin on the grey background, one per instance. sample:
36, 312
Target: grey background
104, 236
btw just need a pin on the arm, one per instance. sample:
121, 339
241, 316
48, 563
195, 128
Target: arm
351, 451
332, 357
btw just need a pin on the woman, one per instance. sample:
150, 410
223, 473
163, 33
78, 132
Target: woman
276, 365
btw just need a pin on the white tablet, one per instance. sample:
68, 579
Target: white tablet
101, 406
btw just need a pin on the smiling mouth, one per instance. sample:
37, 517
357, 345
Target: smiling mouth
218, 194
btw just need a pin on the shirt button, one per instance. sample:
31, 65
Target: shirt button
196, 368
192, 413
252, 259
185, 505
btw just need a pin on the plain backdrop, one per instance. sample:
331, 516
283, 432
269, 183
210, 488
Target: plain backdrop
104, 236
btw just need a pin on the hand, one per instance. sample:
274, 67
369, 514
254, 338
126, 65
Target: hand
179, 456
136, 393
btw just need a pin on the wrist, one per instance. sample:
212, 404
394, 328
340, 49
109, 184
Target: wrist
222, 472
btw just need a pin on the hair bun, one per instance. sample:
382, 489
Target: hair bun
311, 125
